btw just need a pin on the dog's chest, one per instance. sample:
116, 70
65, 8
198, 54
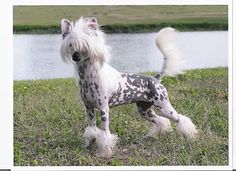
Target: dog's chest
90, 91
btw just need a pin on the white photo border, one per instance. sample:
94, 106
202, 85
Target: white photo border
6, 79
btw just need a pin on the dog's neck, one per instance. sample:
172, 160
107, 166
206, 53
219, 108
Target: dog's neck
86, 68
82, 68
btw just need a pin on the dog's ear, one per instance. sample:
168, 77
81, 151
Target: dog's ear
66, 27
92, 23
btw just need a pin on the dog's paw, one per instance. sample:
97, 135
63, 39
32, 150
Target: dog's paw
161, 126
186, 128
90, 133
106, 144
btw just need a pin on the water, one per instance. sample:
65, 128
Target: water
37, 56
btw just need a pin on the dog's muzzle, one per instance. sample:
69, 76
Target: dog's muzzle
76, 57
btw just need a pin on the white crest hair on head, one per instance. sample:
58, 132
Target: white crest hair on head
85, 36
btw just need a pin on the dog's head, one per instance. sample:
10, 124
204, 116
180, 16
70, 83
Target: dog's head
83, 39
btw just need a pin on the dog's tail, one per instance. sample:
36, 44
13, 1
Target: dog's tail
173, 60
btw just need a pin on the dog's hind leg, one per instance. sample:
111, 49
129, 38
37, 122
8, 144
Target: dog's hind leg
106, 141
184, 124
160, 124
92, 131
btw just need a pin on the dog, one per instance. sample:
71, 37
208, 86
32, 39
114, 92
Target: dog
103, 87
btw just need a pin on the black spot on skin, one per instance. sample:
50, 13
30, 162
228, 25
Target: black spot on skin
171, 113
98, 93
89, 104
104, 119
81, 72
81, 69
64, 35
96, 86
99, 102
161, 97
81, 76
153, 121
86, 84
85, 87
102, 113
91, 115
91, 90
152, 89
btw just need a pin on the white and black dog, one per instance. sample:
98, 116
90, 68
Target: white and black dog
102, 87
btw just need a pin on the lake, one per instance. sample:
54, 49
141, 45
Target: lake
37, 56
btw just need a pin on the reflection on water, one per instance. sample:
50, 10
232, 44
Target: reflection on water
37, 56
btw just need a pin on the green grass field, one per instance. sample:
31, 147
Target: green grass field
49, 121
131, 18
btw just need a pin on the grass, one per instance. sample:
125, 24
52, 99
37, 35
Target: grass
49, 121
118, 18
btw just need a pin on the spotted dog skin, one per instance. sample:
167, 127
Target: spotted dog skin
138, 88
132, 88
145, 91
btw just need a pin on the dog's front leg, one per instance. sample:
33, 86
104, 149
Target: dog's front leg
106, 141
91, 132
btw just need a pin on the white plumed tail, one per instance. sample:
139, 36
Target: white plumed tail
173, 60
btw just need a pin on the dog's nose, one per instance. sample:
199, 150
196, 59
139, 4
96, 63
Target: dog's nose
76, 57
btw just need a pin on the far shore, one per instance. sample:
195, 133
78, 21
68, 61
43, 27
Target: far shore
121, 18
135, 28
